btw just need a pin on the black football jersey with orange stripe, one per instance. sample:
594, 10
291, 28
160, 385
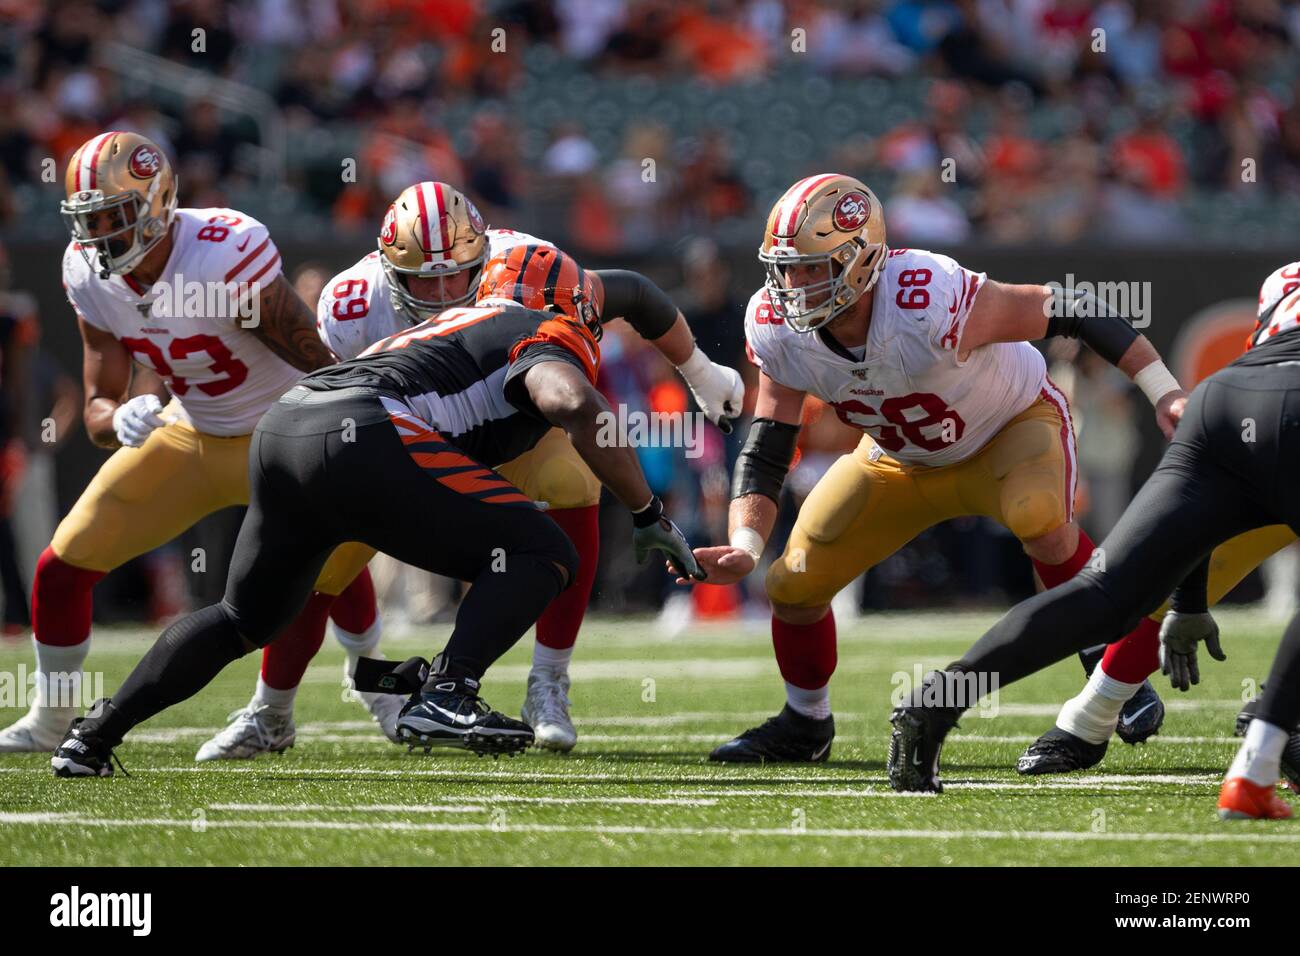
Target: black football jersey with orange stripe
462, 372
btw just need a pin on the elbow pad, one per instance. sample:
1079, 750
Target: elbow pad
634, 298
765, 459
1081, 315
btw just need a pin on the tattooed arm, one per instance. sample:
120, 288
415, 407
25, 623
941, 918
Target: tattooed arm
287, 327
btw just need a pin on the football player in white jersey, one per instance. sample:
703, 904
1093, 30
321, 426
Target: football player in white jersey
933, 362
197, 296
432, 251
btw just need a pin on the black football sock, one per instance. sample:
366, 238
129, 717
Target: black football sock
183, 661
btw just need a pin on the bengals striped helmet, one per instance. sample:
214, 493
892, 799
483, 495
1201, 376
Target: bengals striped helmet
432, 231
121, 197
543, 278
835, 225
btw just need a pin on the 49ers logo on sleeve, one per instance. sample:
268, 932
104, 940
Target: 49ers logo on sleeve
852, 211
144, 162
388, 231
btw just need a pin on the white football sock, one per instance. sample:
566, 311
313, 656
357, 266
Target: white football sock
360, 645
811, 703
551, 658
58, 684
1094, 713
273, 697
1260, 755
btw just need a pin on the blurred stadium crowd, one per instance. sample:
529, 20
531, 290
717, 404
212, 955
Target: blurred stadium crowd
1066, 120
662, 131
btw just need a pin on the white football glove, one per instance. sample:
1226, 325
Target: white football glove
718, 389
134, 420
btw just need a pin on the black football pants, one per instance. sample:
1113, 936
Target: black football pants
331, 467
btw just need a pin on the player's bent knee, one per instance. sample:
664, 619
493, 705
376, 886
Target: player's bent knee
791, 589
1034, 515
546, 541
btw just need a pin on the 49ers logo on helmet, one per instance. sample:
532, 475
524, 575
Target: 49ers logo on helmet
144, 162
475, 219
388, 231
852, 211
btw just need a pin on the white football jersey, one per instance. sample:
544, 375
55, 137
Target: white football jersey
356, 310
187, 326
909, 392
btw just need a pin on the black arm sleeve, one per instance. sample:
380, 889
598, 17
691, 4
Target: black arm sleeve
765, 459
1082, 315
634, 298
1190, 597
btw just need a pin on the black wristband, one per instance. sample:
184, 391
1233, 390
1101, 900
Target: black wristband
649, 514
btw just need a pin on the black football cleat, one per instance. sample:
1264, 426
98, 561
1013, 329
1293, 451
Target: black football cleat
448, 712
917, 739
1059, 751
1142, 716
84, 751
789, 737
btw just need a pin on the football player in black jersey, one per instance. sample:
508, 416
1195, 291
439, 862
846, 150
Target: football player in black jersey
1227, 470
394, 449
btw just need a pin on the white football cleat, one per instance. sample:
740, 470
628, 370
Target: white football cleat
546, 710
251, 731
38, 731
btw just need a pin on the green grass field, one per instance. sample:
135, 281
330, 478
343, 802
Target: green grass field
638, 789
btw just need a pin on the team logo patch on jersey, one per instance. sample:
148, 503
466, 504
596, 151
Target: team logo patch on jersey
388, 231
144, 162
852, 211
475, 218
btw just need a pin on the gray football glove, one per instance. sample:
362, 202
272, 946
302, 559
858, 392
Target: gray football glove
653, 531
1179, 635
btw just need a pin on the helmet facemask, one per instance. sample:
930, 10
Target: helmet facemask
131, 232
418, 310
807, 307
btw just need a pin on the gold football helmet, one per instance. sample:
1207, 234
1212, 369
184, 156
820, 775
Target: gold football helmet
432, 231
121, 200
835, 225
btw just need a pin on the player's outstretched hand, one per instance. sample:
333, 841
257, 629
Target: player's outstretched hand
1169, 412
1179, 635
134, 420
654, 531
722, 564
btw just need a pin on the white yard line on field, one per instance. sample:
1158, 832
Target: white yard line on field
599, 829
631, 777
475, 804
350, 808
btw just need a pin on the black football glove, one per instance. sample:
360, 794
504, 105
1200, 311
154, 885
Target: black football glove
1179, 635
653, 531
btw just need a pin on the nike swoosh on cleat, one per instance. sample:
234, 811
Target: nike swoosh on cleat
1128, 722
821, 751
